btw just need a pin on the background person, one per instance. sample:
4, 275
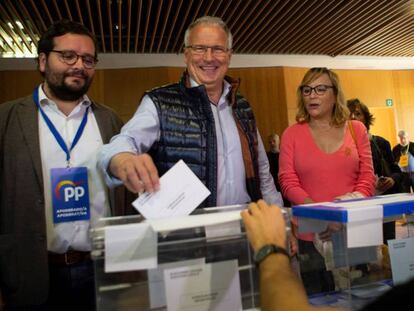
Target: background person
273, 157
385, 168
323, 157
203, 120
404, 156
45, 262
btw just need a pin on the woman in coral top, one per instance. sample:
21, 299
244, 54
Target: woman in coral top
323, 157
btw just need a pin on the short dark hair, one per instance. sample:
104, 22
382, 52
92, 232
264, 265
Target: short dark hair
61, 28
355, 103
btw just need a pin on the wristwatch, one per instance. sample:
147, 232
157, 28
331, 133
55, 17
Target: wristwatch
268, 249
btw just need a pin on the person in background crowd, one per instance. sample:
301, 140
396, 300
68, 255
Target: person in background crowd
323, 157
387, 171
404, 156
280, 289
51, 192
203, 120
273, 157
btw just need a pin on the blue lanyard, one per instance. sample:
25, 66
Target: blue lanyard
54, 131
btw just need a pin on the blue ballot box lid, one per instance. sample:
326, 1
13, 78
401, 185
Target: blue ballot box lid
392, 205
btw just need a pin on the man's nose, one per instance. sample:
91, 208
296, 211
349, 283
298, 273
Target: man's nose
79, 63
208, 54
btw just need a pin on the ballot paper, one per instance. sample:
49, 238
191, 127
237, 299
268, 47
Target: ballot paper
130, 247
180, 193
402, 259
156, 280
214, 286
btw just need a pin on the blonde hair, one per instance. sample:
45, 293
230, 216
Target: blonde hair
340, 113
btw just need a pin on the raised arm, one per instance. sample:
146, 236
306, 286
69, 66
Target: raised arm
125, 159
280, 288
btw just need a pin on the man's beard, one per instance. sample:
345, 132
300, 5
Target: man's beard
61, 90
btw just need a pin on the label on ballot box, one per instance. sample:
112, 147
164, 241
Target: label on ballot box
213, 286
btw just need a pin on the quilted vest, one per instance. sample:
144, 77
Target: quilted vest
187, 132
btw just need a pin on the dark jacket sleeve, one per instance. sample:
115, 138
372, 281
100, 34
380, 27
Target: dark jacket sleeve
396, 153
389, 158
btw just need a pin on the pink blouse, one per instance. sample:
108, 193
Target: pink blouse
307, 171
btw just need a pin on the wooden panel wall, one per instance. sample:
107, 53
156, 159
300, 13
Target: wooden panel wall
15, 84
265, 90
404, 103
122, 89
271, 91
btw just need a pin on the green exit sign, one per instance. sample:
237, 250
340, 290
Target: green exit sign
388, 102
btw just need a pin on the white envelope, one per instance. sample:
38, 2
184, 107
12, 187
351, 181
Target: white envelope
180, 193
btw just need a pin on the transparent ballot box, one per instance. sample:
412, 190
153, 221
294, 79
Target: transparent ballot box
202, 262
343, 258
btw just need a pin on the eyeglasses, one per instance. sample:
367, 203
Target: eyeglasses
202, 49
71, 57
319, 89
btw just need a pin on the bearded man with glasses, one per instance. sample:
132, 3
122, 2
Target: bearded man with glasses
203, 120
51, 191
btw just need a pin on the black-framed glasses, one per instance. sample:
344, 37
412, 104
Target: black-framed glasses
319, 89
202, 49
71, 57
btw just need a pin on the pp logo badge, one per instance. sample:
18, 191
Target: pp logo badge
71, 190
70, 194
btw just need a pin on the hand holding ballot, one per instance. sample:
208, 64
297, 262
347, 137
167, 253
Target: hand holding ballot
180, 193
137, 172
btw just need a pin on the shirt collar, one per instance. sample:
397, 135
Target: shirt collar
44, 100
226, 87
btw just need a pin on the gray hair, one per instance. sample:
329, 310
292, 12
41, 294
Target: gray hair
209, 20
402, 133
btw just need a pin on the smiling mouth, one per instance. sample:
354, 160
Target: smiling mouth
77, 77
208, 68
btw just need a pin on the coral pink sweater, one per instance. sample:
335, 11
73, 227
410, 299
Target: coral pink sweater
307, 172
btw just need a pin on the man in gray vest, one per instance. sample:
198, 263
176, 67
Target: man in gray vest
203, 120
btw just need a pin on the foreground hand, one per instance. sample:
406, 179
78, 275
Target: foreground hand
349, 196
383, 184
137, 172
264, 225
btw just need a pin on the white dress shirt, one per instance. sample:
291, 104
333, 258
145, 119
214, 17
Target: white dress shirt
75, 234
138, 135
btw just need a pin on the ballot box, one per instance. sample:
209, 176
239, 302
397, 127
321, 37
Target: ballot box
342, 259
197, 262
